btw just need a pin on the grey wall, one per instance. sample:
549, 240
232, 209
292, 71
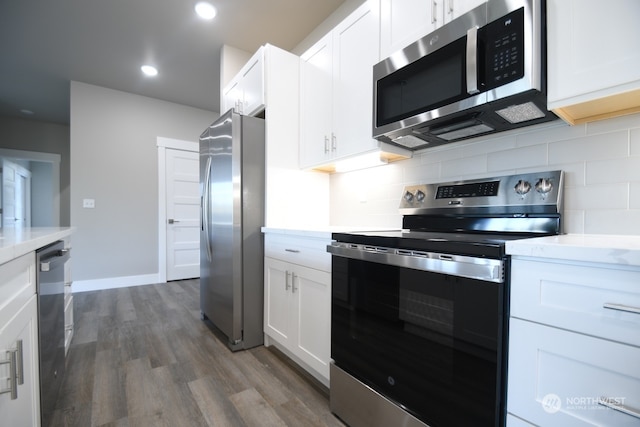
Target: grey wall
114, 161
41, 137
41, 197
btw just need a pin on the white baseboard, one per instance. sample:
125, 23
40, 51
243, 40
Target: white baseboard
113, 282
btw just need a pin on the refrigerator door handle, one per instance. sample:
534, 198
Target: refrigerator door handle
205, 208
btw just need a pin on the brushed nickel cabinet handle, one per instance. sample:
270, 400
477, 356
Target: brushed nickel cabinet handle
13, 375
286, 280
621, 307
293, 283
19, 363
434, 12
295, 251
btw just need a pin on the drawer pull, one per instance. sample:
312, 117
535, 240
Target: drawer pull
286, 280
621, 307
19, 363
617, 406
12, 361
295, 251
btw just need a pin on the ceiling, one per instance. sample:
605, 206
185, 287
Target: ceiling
44, 44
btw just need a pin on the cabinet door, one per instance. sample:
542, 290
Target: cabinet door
25, 410
402, 22
231, 96
316, 103
313, 310
592, 51
277, 300
356, 51
557, 377
253, 85
455, 8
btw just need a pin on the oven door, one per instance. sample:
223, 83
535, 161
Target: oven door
430, 342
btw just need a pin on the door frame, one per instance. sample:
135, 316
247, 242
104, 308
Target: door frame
163, 144
36, 156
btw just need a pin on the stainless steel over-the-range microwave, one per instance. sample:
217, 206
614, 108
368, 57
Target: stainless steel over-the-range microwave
481, 73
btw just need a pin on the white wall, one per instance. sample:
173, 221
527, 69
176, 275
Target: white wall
344, 10
114, 160
601, 161
231, 61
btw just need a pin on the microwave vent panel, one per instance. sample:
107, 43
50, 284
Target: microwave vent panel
521, 113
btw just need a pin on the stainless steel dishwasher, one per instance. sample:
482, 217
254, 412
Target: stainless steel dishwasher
50, 288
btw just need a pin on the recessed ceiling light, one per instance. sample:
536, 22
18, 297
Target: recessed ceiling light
149, 70
27, 112
205, 10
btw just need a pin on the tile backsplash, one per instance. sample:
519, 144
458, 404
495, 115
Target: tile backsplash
601, 161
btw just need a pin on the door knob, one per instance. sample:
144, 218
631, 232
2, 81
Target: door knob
172, 221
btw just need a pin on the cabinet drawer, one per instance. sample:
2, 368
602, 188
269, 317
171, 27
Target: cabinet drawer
301, 250
17, 284
556, 377
576, 297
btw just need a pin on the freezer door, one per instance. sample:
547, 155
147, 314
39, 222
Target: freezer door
221, 259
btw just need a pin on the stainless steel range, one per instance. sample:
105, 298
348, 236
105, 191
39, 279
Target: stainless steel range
420, 315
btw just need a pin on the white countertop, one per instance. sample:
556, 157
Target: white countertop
319, 232
600, 248
17, 242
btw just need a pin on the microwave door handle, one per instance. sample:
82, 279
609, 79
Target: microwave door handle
472, 61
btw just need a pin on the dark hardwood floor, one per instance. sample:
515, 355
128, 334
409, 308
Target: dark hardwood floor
141, 356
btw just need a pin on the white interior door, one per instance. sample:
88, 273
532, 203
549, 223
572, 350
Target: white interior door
8, 194
182, 214
16, 195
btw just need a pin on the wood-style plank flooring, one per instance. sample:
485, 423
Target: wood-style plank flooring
141, 356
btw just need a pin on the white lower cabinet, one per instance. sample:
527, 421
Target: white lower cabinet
574, 353
297, 313
19, 371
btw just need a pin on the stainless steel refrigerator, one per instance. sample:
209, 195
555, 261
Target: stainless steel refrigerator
232, 169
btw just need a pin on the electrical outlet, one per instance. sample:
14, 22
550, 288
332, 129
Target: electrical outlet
89, 203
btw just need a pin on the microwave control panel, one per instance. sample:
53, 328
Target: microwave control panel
504, 44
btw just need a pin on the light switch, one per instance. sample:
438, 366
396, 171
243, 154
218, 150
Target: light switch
89, 203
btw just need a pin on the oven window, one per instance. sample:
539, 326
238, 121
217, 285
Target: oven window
430, 82
428, 341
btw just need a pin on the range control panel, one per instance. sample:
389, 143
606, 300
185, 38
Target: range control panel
529, 189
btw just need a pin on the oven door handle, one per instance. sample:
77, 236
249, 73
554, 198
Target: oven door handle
485, 269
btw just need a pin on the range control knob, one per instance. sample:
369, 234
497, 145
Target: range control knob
420, 195
408, 196
522, 187
544, 186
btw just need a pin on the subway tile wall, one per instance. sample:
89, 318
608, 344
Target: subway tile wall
601, 161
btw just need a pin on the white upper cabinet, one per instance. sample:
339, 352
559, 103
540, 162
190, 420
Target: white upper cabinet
245, 92
593, 55
402, 22
316, 103
455, 8
336, 89
356, 51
